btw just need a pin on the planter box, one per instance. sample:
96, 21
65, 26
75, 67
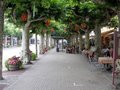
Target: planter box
13, 67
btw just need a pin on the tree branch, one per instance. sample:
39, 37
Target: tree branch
29, 14
39, 19
83, 29
77, 15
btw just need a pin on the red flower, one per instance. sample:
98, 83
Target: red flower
44, 31
47, 22
52, 30
24, 17
14, 60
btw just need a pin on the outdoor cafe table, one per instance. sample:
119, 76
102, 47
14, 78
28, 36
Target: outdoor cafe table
105, 60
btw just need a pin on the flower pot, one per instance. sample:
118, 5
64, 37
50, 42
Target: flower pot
13, 67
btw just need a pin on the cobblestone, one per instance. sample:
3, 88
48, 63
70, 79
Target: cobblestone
61, 71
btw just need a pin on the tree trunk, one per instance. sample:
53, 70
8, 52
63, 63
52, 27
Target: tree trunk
80, 42
1, 34
25, 40
36, 44
5, 41
42, 44
18, 39
76, 38
97, 40
69, 41
119, 19
11, 40
57, 48
51, 41
87, 41
54, 41
72, 40
47, 41
25, 43
62, 44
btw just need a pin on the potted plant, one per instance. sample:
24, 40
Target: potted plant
13, 63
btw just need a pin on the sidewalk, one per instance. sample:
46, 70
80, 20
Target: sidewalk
61, 71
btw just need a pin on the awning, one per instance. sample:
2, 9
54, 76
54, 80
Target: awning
109, 32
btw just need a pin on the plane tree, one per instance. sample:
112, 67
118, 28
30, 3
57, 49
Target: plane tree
24, 13
1, 34
112, 4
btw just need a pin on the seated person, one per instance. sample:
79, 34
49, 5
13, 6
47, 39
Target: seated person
107, 52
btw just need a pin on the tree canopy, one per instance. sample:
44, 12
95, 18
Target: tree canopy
73, 13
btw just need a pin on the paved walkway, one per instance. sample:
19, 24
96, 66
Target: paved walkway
61, 71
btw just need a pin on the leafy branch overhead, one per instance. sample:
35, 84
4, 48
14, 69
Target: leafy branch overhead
37, 9
70, 12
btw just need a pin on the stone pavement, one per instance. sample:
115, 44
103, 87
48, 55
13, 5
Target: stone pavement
61, 71
11, 76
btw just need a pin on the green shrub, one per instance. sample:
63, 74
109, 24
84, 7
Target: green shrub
34, 56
